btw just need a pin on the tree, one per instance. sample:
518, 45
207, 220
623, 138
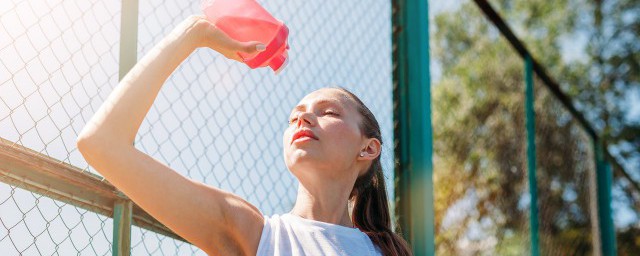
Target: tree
480, 166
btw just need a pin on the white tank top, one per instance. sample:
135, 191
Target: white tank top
290, 234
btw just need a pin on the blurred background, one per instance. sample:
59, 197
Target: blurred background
221, 123
592, 49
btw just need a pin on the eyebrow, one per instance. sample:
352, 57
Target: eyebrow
320, 102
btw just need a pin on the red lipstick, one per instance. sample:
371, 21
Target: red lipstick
303, 133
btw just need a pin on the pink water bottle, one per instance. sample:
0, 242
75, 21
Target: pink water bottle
246, 20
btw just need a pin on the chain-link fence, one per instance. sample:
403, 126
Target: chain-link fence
480, 155
218, 122
566, 180
215, 121
58, 59
483, 168
626, 212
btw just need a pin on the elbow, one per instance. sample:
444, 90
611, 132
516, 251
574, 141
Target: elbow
84, 141
87, 143
92, 148
95, 138
95, 144
84, 144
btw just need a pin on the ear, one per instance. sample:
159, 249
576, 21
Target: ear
371, 149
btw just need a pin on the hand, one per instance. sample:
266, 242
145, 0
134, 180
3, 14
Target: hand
206, 34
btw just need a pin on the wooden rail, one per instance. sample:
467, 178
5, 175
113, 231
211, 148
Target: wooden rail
27, 169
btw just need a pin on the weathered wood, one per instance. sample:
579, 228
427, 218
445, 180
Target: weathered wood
27, 169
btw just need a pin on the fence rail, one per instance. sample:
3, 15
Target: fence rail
24, 168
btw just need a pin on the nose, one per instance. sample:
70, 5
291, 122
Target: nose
303, 117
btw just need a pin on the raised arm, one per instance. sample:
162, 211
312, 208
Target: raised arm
216, 221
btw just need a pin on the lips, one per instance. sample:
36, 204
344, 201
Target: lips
303, 133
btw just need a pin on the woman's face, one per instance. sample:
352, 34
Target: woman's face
323, 136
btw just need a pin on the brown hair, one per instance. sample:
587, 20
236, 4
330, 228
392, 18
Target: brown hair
369, 194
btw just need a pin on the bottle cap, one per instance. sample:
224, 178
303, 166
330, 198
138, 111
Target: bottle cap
278, 62
284, 64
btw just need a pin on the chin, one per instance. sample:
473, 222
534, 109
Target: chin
298, 154
302, 160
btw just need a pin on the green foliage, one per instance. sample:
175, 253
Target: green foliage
480, 176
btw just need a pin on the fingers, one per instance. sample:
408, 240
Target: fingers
229, 47
251, 47
247, 48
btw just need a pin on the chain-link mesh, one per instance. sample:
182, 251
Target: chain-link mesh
566, 179
481, 192
218, 122
226, 121
57, 61
625, 201
215, 121
214, 116
480, 164
33, 224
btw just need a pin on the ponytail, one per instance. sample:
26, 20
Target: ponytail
371, 212
369, 195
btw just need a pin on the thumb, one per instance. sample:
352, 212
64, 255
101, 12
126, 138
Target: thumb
251, 47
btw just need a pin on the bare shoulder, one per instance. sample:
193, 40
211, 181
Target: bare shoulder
242, 225
214, 220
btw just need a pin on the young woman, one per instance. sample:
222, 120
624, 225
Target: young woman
332, 146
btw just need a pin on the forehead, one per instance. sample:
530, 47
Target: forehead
328, 96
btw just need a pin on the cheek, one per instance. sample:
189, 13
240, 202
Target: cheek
285, 138
285, 146
343, 137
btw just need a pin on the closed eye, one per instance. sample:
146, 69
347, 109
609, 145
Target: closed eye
295, 119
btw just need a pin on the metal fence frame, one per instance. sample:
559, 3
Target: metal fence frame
413, 145
412, 108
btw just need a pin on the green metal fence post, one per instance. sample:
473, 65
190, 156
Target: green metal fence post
604, 178
122, 213
128, 36
401, 178
531, 154
123, 209
412, 116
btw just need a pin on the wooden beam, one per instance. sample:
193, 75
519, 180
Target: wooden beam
30, 170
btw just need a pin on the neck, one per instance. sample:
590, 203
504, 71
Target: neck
326, 202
